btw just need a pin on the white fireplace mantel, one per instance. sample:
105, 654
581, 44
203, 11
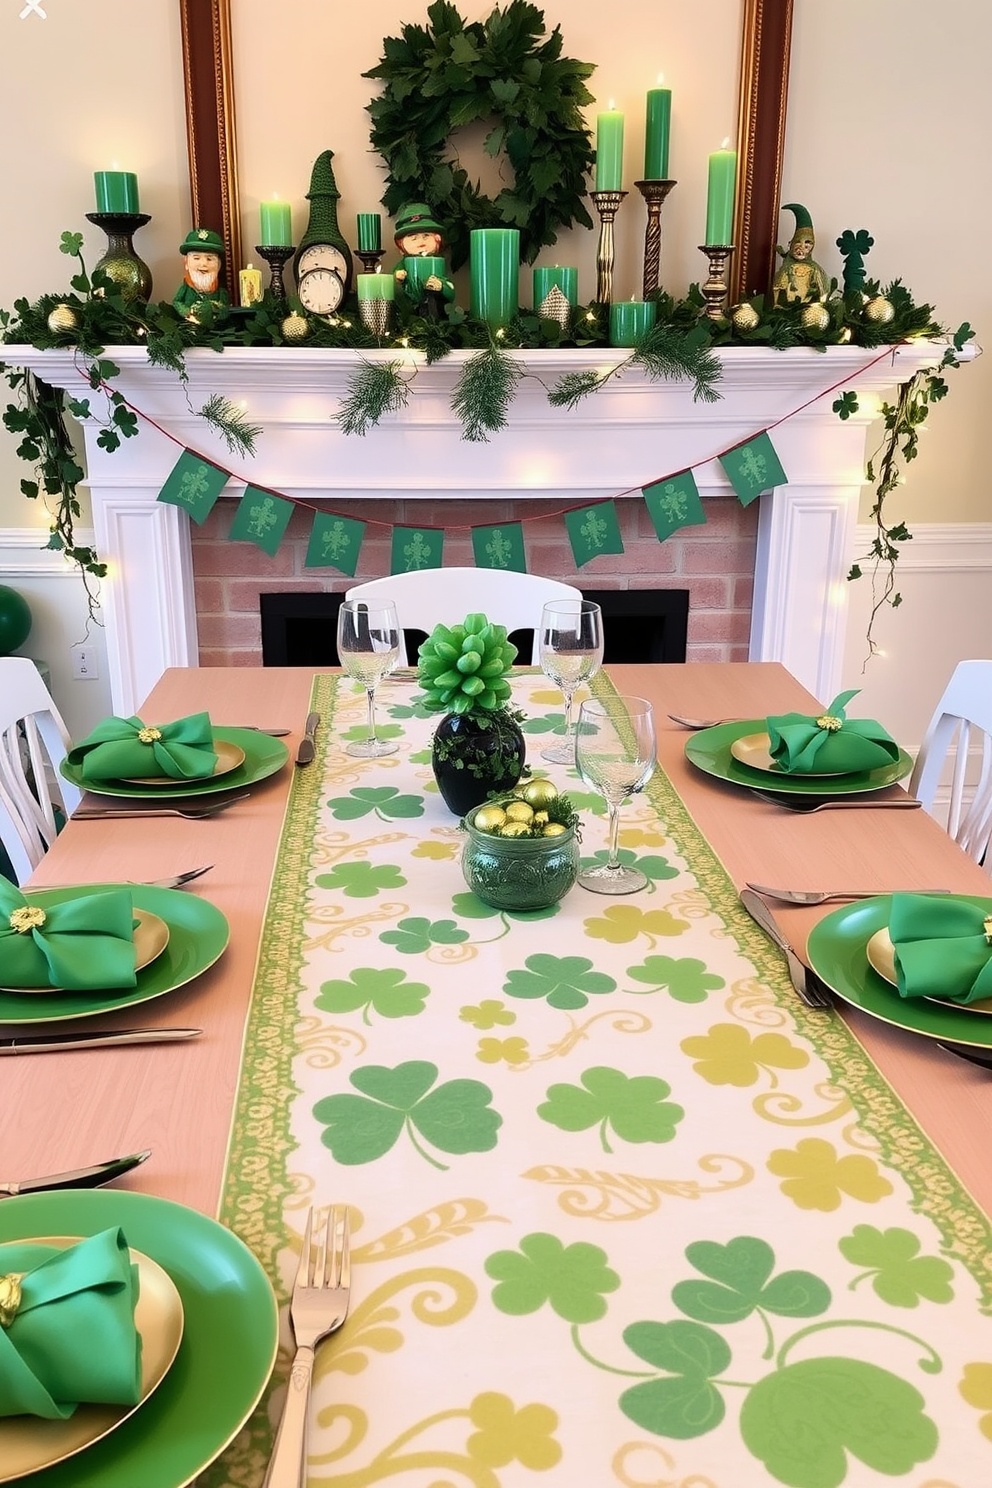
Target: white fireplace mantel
619, 439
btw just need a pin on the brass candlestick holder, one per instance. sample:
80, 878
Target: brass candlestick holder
607, 205
654, 194
120, 262
276, 255
715, 288
370, 258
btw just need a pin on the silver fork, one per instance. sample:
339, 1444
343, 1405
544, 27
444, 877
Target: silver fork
321, 1293
814, 896
192, 813
702, 723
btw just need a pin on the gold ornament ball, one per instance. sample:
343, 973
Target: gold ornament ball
515, 829
519, 811
816, 317
295, 327
539, 792
63, 318
489, 818
553, 829
745, 317
880, 309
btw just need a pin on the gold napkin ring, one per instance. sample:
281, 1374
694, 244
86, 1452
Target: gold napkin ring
26, 918
10, 1297
149, 735
829, 722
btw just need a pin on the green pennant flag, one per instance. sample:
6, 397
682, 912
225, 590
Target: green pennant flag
415, 548
194, 484
261, 518
335, 542
593, 530
501, 546
674, 503
752, 468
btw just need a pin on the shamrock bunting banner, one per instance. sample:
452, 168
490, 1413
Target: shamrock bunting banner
674, 503
752, 468
593, 530
415, 548
501, 546
261, 518
194, 484
335, 542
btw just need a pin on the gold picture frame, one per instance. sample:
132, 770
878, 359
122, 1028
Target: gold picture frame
766, 37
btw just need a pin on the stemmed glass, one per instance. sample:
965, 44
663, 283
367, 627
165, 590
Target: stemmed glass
571, 651
615, 753
369, 649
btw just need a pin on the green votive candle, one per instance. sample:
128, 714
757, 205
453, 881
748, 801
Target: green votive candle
630, 321
657, 127
420, 269
369, 232
494, 271
547, 279
275, 224
116, 191
376, 287
720, 198
609, 150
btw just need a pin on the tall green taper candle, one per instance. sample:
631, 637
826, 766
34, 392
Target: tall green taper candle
609, 150
116, 191
720, 198
369, 232
494, 268
658, 124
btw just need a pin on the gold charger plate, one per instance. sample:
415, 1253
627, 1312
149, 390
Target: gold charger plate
29, 1443
881, 955
754, 750
229, 757
151, 936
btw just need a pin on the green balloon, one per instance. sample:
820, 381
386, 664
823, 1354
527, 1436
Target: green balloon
15, 620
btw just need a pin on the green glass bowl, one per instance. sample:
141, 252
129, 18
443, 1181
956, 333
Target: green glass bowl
519, 873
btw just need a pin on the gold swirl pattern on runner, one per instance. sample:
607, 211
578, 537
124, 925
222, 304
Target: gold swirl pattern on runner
624, 1470
689, 904
332, 847
624, 1021
340, 923
324, 1045
435, 1226
786, 1110
624, 1196
751, 1002
372, 1320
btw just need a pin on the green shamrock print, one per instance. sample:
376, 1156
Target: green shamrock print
384, 800
652, 865
686, 1403
454, 1117
566, 981
573, 1279
414, 709
471, 907
633, 1105
899, 1274
417, 934
685, 978
741, 1282
360, 731
361, 880
386, 992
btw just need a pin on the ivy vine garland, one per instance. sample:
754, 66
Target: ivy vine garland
451, 74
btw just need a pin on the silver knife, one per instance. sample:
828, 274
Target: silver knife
49, 1043
78, 1178
307, 749
798, 973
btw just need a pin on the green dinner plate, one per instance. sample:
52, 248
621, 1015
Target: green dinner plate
709, 751
263, 757
198, 934
227, 1350
836, 949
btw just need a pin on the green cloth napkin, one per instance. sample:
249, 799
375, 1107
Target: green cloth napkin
71, 1338
942, 949
127, 749
831, 743
81, 945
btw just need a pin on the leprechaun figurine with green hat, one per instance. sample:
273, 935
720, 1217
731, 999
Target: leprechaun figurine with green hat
203, 251
799, 278
417, 235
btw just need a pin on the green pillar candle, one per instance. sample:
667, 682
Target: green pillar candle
275, 224
547, 279
630, 321
421, 268
494, 269
369, 232
720, 198
609, 150
657, 127
376, 287
116, 191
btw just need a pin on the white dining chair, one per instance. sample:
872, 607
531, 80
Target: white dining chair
33, 743
958, 744
432, 595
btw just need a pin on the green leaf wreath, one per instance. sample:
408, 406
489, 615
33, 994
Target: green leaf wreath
439, 78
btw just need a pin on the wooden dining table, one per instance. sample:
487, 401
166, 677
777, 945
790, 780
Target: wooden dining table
63, 1110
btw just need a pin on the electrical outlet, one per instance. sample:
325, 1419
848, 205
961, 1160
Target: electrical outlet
85, 667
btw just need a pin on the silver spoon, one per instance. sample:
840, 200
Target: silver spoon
703, 723
813, 896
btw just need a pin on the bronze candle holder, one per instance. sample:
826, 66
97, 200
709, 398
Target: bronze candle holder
654, 194
607, 205
120, 262
277, 256
715, 288
370, 258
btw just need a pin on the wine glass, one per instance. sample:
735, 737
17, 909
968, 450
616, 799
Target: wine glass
571, 651
369, 649
615, 753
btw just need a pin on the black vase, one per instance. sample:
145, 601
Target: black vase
474, 755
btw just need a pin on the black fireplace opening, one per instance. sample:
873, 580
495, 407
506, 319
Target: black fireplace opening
639, 625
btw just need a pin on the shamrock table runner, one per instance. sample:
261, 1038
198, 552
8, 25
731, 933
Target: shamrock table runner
623, 1211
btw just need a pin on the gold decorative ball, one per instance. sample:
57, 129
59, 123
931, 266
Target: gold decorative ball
745, 317
880, 309
515, 829
520, 811
489, 818
295, 327
553, 829
539, 792
63, 318
816, 317
541, 819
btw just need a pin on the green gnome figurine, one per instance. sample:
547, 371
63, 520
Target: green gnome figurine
799, 278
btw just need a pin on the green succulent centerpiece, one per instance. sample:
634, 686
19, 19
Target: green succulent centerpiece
478, 747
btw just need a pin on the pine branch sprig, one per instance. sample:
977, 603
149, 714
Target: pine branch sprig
377, 388
229, 421
484, 392
667, 355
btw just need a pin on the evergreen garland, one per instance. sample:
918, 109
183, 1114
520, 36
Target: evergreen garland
377, 388
484, 393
